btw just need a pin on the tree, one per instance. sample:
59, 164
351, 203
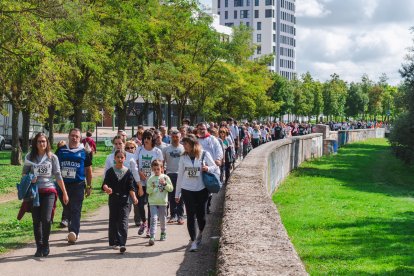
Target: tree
334, 96
356, 100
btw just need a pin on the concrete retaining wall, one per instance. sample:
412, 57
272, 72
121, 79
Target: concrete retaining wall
253, 239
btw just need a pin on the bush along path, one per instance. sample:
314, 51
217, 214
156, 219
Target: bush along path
353, 213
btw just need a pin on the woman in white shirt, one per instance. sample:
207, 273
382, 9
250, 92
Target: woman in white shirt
191, 187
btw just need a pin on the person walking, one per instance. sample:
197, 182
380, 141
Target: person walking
158, 187
191, 188
119, 184
130, 163
144, 156
172, 155
44, 166
76, 168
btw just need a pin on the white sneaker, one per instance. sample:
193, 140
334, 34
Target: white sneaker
194, 246
116, 247
72, 238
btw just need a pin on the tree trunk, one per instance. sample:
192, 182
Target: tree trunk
51, 114
169, 112
121, 112
26, 130
77, 116
16, 154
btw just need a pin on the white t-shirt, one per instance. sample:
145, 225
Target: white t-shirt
144, 159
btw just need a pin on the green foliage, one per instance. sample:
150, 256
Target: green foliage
65, 127
351, 214
402, 134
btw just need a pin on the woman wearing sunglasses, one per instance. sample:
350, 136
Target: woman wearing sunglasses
144, 156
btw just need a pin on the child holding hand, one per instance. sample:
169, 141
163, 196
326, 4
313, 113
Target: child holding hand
158, 186
119, 185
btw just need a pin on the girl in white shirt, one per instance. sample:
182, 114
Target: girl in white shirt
191, 187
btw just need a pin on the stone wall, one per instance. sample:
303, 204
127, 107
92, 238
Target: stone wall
253, 239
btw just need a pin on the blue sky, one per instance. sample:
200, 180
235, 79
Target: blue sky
352, 37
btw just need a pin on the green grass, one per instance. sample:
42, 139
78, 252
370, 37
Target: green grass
10, 175
353, 213
16, 233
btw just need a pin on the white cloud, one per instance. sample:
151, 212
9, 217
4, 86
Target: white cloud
310, 8
374, 45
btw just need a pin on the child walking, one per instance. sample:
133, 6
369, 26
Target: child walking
119, 185
158, 186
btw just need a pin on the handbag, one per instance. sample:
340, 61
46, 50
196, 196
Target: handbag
210, 180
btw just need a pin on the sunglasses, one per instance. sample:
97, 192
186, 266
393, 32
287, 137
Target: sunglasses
129, 148
147, 138
222, 132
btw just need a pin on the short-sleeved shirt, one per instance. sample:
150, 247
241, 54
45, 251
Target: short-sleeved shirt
73, 163
172, 157
144, 159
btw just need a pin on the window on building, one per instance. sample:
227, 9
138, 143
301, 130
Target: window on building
226, 3
268, 2
238, 3
259, 50
244, 14
218, 3
248, 24
259, 38
256, 13
274, 26
258, 26
256, 3
268, 13
235, 14
274, 38
226, 15
274, 49
229, 24
248, 3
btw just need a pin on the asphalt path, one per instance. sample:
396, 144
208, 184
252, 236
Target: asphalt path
91, 255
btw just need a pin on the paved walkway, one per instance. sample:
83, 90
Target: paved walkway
92, 255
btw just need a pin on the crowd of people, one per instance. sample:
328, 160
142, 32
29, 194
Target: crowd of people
157, 173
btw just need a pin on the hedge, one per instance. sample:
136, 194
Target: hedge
65, 127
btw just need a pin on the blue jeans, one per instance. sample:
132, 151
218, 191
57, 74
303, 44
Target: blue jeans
72, 211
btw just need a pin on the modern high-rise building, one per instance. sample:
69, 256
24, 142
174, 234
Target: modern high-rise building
274, 28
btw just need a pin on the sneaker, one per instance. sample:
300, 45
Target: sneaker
38, 252
72, 238
116, 247
64, 223
180, 221
163, 236
171, 220
148, 233
194, 246
151, 241
199, 238
122, 249
142, 228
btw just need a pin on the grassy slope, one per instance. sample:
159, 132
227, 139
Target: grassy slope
352, 213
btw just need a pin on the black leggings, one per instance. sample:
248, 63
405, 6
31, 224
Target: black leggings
42, 219
195, 206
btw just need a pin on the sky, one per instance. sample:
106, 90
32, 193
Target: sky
352, 38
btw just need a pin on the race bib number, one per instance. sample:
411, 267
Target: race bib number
146, 171
69, 173
191, 172
43, 170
